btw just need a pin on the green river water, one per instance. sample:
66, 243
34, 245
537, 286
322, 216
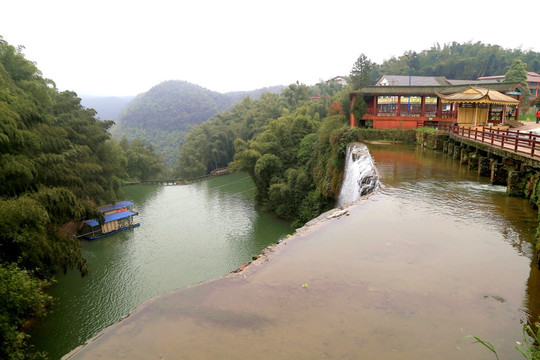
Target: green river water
188, 234
436, 255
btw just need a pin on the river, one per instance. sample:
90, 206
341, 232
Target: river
435, 255
188, 234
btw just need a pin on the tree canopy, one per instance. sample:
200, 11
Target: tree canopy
465, 61
162, 116
57, 164
517, 73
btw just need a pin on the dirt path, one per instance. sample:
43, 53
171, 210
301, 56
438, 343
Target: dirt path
528, 125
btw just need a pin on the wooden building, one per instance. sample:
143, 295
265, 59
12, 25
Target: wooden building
475, 104
408, 107
116, 217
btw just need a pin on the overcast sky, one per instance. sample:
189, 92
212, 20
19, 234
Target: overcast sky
119, 48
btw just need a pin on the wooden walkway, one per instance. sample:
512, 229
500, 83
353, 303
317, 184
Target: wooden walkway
217, 172
524, 143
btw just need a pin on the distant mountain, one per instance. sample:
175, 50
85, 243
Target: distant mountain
172, 106
107, 107
165, 113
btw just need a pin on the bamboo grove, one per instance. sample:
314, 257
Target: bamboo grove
57, 163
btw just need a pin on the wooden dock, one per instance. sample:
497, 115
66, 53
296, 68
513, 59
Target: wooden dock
170, 182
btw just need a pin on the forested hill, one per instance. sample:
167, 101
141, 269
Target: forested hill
173, 105
464, 61
163, 115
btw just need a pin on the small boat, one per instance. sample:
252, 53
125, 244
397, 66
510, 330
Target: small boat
118, 217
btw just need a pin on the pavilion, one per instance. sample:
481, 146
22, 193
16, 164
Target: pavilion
476, 103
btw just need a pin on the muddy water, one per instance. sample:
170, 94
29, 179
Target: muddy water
436, 255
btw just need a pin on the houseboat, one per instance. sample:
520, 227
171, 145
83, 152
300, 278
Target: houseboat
117, 217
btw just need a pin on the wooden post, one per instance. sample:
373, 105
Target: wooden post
351, 116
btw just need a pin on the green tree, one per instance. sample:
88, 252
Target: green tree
211, 145
361, 72
57, 162
142, 162
295, 95
359, 108
517, 73
22, 297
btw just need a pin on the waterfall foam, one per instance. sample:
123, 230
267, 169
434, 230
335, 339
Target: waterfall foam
360, 176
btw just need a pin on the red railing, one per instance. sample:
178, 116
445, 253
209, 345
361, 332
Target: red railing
523, 142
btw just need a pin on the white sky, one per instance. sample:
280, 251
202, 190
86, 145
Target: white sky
117, 47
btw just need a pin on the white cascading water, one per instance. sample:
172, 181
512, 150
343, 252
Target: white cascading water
360, 177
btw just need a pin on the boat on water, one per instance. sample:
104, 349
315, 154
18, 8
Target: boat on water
118, 217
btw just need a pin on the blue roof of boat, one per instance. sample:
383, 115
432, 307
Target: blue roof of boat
115, 206
111, 217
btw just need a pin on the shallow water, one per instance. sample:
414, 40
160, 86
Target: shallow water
436, 255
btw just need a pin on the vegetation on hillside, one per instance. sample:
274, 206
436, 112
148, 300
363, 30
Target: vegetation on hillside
162, 116
283, 142
57, 162
465, 61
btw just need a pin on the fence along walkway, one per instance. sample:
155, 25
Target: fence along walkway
217, 172
521, 142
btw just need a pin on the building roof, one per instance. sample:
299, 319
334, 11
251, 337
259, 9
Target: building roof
467, 82
531, 77
111, 217
338, 79
479, 95
514, 88
403, 80
115, 206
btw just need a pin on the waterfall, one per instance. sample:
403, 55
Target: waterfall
360, 177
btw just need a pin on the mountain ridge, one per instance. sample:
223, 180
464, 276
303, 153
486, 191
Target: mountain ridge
162, 115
